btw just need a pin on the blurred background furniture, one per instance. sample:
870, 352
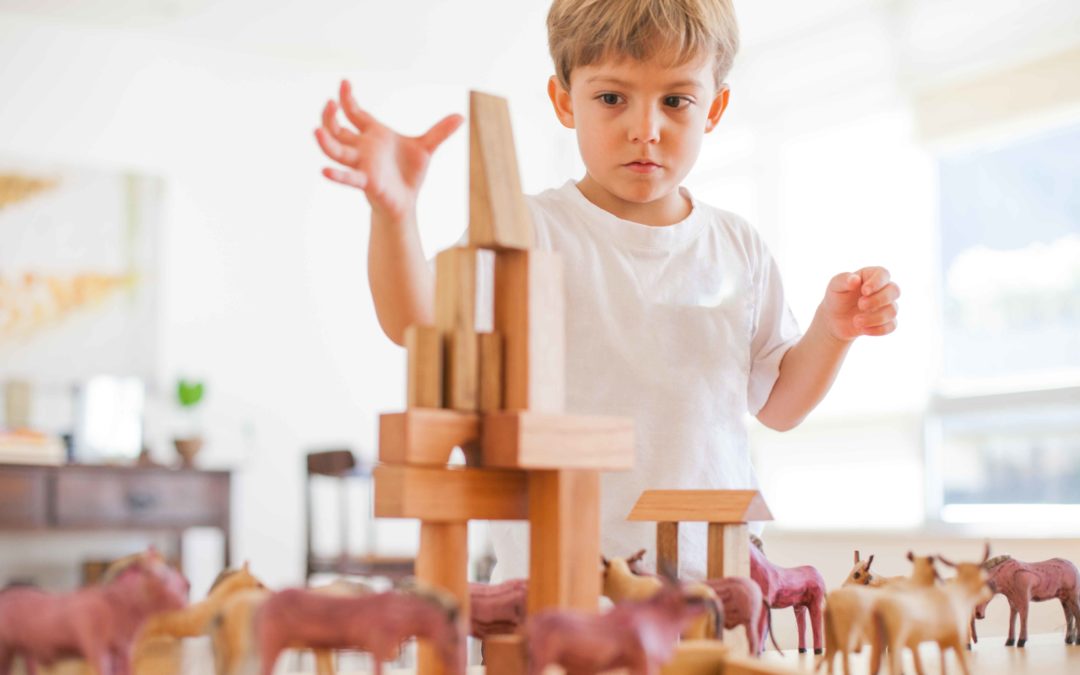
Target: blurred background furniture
341, 465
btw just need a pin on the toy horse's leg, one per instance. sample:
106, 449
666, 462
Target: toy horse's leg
815, 625
961, 656
7, 655
752, 638
1073, 610
1023, 624
917, 660
800, 626
1011, 640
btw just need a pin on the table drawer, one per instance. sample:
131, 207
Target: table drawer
24, 498
150, 498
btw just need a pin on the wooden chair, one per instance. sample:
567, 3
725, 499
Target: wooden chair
341, 464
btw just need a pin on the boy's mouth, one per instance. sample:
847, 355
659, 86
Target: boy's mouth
642, 166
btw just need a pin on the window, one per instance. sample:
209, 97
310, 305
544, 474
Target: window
1004, 430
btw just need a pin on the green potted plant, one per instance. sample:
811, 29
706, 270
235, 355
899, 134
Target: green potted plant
189, 393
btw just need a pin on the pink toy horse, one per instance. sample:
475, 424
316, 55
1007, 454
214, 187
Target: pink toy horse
497, 609
1021, 583
376, 623
799, 587
98, 623
636, 635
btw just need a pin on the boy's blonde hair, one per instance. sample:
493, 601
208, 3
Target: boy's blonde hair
583, 32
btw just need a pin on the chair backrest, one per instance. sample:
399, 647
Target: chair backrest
331, 463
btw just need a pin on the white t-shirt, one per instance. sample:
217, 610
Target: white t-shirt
681, 328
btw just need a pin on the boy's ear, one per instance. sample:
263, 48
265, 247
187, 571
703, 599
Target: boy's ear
560, 99
716, 110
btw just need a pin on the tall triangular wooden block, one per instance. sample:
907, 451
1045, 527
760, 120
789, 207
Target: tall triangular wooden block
498, 217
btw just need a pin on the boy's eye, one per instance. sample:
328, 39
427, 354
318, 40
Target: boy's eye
677, 102
609, 99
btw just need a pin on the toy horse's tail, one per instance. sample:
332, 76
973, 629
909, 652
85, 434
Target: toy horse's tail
767, 616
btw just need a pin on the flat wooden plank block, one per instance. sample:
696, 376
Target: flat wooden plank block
530, 314
424, 345
711, 506
534, 440
728, 550
498, 217
425, 435
456, 288
450, 494
696, 657
462, 370
564, 540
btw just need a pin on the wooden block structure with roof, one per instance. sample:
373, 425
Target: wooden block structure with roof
728, 514
499, 396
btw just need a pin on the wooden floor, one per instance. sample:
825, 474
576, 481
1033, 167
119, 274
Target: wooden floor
1043, 655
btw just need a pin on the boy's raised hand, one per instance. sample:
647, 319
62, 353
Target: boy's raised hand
387, 166
860, 303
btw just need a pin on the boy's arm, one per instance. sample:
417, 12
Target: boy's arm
390, 169
863, 303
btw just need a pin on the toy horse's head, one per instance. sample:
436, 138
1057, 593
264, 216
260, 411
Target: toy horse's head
230, 581
148, 581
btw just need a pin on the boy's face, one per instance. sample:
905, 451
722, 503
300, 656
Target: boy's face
639, 125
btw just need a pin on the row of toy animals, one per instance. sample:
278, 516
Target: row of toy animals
897, 612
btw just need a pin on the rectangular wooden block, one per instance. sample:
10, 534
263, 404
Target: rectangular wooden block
498, 217
667, 548
533, 440
462, 370
505, 655
711, 506
424, 345
564, 540
491, 356
456, 288
425, 435
530, 314
450, 494
443, 562
728, 550
697, 657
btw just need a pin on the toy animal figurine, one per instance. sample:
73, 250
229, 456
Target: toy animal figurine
923, 574
231, 630
620, 583
849, 609
98, 623
638, 635
497, 609
193, 620
1022, 583
376, 623
801, 588
906, 618
742, 604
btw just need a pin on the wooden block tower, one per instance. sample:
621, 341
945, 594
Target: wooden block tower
499, 396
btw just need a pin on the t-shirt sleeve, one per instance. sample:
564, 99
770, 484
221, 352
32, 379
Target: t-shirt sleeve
774, 327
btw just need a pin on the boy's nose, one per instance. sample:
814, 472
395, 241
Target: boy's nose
645, 127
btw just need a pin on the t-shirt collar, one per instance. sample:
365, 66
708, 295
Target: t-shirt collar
635, 235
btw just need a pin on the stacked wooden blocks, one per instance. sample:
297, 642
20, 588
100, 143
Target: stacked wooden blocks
499, 396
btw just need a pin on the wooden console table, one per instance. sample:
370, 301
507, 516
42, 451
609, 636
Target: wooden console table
85, 497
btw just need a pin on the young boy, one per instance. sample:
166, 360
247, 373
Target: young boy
675, 313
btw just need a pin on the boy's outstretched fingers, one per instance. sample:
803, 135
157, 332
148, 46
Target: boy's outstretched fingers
360, 118
330, 123
342, 154
440, 131
352, 178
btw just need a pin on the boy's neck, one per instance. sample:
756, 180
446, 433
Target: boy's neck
669, 209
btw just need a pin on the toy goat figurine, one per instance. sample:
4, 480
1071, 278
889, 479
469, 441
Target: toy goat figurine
621, 583
497, 609
909, 617
801, 588
638, 635
376, 623
849, 609
923, 574
98, 623
1021, 583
